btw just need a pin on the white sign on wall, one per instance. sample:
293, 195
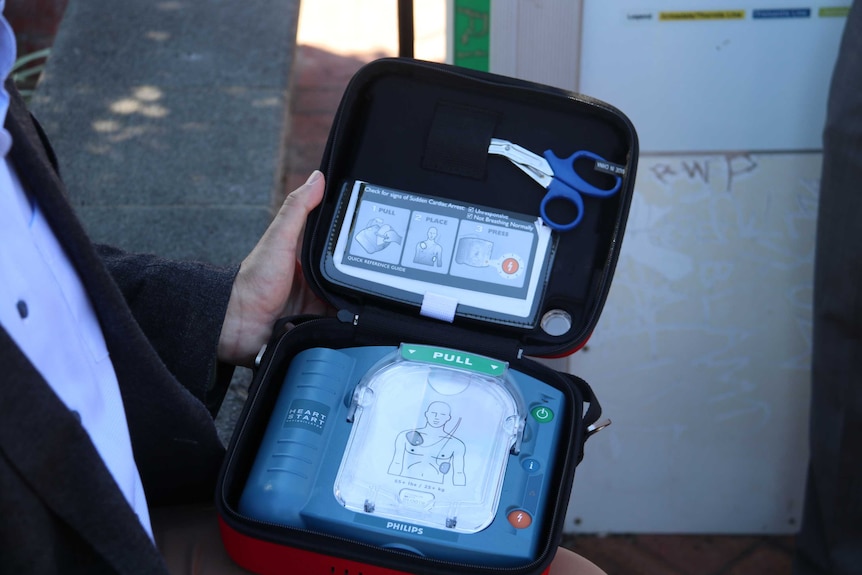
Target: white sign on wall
709, 76
702, 354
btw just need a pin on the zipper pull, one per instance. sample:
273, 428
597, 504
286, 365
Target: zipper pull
259, 357
597, 427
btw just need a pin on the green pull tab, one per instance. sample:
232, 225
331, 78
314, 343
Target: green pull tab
453, 358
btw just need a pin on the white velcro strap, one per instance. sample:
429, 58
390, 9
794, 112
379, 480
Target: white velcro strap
438, 306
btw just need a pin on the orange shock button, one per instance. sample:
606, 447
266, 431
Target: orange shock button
520, 519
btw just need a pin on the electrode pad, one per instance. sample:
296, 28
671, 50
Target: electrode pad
432, 433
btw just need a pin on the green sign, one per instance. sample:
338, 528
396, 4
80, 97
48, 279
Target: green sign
453, 358
472, 33
834, 12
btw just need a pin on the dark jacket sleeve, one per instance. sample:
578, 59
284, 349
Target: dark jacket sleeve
180, 306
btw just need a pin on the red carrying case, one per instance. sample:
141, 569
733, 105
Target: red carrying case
470, 223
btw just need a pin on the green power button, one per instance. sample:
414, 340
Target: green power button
542, 414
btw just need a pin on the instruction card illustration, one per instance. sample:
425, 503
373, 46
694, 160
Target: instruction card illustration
422, 244
429, 445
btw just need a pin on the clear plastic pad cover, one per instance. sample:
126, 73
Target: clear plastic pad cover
430, 442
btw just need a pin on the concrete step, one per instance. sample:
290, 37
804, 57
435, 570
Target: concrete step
170, 119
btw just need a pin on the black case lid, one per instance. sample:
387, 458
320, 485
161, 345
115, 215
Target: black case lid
425, 128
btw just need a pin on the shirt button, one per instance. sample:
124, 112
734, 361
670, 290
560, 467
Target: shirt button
22, 309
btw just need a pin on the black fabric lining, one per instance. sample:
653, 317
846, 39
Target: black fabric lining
458, 140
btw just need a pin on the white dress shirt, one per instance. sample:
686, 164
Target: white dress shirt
44, 308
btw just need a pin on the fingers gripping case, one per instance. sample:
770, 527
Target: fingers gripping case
470, 221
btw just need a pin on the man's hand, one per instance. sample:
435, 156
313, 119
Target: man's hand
269, 284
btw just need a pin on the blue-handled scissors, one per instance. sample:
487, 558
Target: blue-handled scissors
558, 176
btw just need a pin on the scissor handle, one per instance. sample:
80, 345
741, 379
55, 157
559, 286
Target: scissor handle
564, 169
559, 190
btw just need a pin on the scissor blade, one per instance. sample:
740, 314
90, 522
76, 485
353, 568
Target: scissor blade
531, 164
